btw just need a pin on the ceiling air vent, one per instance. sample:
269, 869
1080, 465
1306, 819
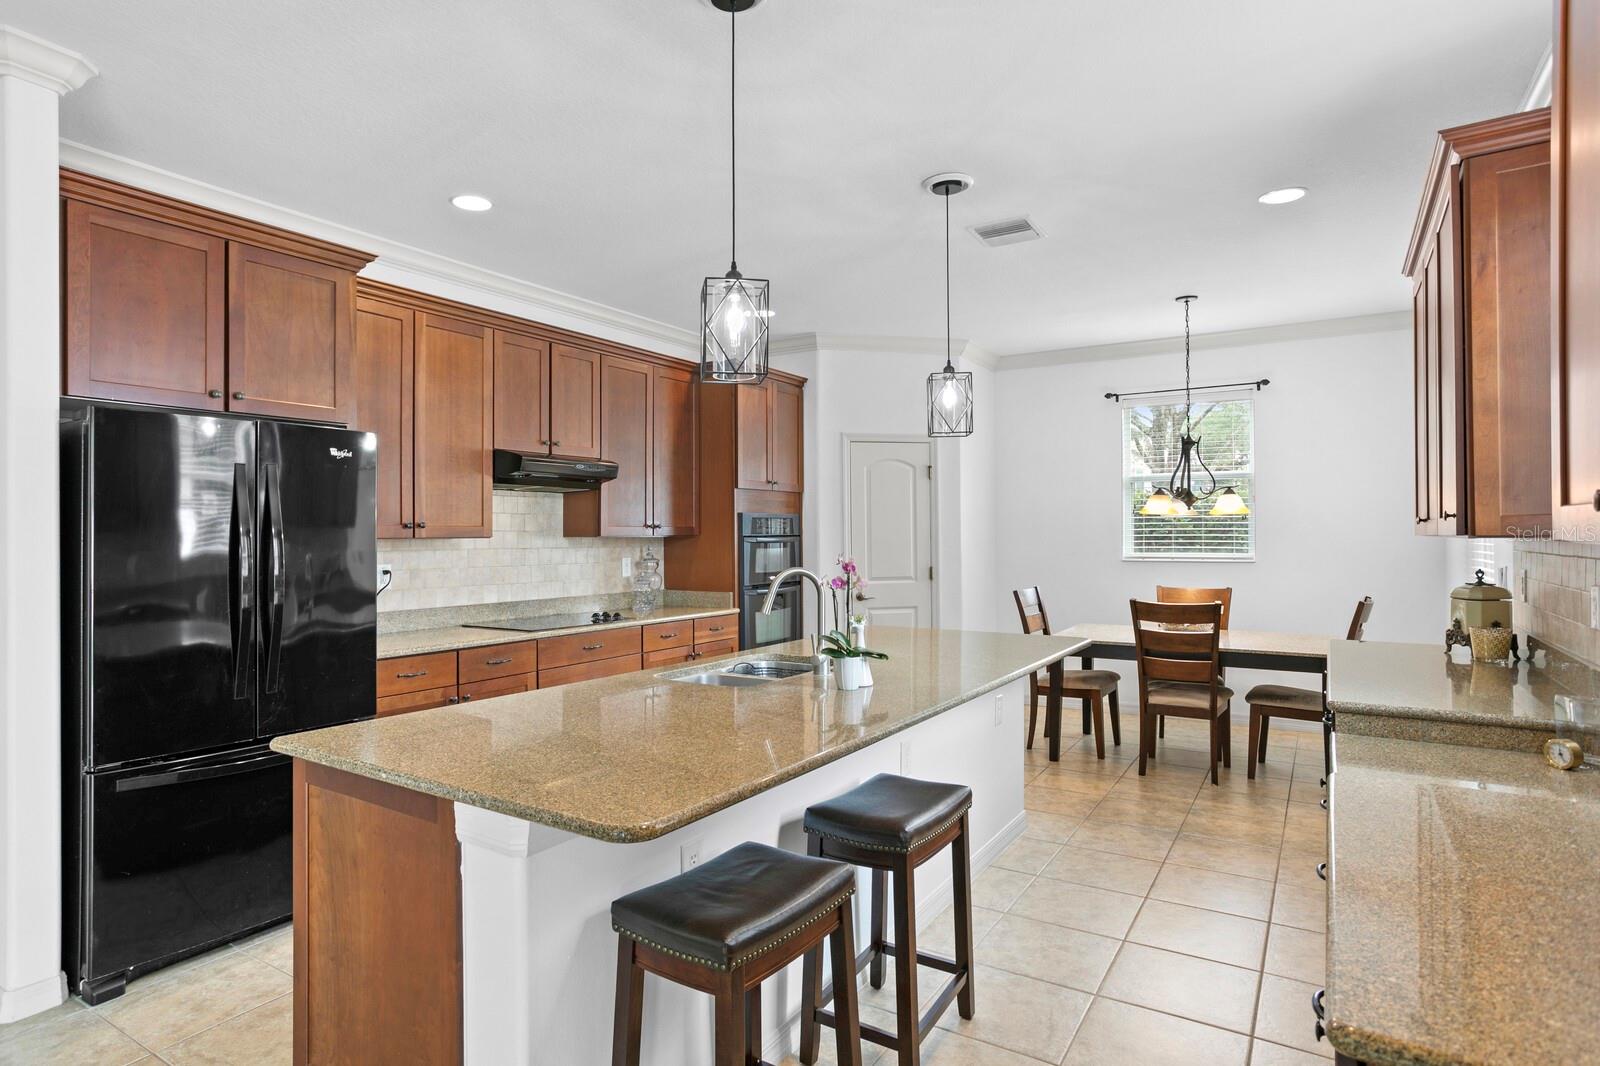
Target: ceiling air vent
1007, 231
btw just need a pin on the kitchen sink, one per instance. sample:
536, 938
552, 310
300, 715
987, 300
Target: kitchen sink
745, 672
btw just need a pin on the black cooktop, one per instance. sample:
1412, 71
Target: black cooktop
546, 622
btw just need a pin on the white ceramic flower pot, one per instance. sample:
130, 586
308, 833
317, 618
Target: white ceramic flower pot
851, 672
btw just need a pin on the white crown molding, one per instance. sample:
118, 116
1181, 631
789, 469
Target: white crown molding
1239, 338
402, 263
1537, 94
22, 55
806, 343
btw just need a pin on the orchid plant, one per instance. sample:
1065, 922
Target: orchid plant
838, 644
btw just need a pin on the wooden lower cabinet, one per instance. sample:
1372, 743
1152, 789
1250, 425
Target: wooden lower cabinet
568, 675
587, 647
664, 657
498, 686
497, 660
361, 993
424, 700
716, 629
716, 648
416, 673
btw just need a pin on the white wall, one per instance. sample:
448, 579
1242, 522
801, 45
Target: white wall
884, 392
1333, 490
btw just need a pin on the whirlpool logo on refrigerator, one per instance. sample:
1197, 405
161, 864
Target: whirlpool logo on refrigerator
340, 453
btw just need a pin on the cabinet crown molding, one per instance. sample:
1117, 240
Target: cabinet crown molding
33, 59
1463, 142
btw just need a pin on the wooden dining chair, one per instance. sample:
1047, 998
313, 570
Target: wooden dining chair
1179, 594
1096, 689
1178, 649
1301, 704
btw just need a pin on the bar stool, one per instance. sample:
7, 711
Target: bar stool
724, 927
893, 824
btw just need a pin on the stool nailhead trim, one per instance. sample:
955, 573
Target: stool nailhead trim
913, 846
747, 956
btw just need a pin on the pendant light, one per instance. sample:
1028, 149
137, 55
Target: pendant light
949, 391
1179, 497
734, 309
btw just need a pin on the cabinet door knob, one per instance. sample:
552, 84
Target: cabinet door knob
467, 698
1447, 515
555, 444
216, 394
1597, 499
452, 699
1421, 520
405, 525
238, 396
422, 525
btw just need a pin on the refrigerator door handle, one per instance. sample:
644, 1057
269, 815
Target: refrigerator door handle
276, 576
199, 773
244, 607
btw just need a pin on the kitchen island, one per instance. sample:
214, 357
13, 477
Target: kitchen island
454, 868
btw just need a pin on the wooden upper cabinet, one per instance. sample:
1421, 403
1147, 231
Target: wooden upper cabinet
675, 452
1481, 311
521, 393
145, 310
754, 417
383, 398
289, 336
784, 452
625, 407
575, 415
1575, 271
1506, 256
453, 427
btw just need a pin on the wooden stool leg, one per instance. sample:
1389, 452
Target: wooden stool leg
731, 1032
1116, 720
1225, 738
905, 965
875, 967
1214, 722
1144, 736
1257, 739
1266, 720
1161, 726
628, 1022
1033, 708
961, 875
752, 1026
846, 1008
1098, 707
1087, 724
810, 1000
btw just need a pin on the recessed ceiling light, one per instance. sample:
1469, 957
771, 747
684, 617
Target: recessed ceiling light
469, 202
1283, 196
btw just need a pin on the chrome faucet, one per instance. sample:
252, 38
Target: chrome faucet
820, 663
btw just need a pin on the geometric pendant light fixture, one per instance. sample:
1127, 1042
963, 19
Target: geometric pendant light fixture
949, 391
734, 309
1178, 499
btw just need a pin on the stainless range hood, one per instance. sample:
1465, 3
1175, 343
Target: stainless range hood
541, 473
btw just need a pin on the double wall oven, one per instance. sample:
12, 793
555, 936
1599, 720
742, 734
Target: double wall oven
768, 545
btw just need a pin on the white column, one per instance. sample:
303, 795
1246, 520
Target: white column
33, 76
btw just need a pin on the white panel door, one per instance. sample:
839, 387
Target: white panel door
891, 531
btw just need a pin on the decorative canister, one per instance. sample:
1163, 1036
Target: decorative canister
1479, 605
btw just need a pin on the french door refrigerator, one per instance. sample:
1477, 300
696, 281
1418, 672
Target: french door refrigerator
219, 589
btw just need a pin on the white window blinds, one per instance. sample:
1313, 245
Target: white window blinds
1225, 425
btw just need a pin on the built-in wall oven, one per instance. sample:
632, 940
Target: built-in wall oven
768, 545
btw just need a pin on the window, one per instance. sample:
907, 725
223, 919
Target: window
1225, 426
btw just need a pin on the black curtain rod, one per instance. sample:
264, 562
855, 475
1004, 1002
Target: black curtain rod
1258, 385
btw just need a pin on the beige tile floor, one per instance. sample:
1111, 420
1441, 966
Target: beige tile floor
1139, 920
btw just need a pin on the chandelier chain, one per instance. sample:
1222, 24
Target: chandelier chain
948, 365
1188, 426
733, 136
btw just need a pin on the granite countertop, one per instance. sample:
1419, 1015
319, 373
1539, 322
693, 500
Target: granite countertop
1417, 692
453, 638
1461, 903
1241, 640
632, 757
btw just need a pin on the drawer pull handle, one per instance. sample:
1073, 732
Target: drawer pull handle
452, 699
467, 698
495, 662
1322, 870
414, 673
666, 636
716, 629
593, 647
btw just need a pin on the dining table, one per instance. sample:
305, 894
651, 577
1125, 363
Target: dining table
1244, 649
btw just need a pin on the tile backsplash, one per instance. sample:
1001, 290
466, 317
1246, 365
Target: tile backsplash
526, 559
1552, 601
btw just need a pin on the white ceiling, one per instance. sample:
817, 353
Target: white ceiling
1137, 135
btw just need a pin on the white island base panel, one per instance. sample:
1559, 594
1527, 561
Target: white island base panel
538, 952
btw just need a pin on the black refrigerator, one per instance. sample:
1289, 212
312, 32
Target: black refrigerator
219, 588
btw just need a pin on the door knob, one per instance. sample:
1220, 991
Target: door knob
405, 525
422, 525
862, 598
238, 396
216, 394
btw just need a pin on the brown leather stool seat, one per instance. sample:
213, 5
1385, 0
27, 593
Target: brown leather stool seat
892, 824
734, 920
889, 813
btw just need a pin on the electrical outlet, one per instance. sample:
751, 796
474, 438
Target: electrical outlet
385, 577
999, 707
691, 853
1523, 588
1594, 606
627, 566
905, 758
